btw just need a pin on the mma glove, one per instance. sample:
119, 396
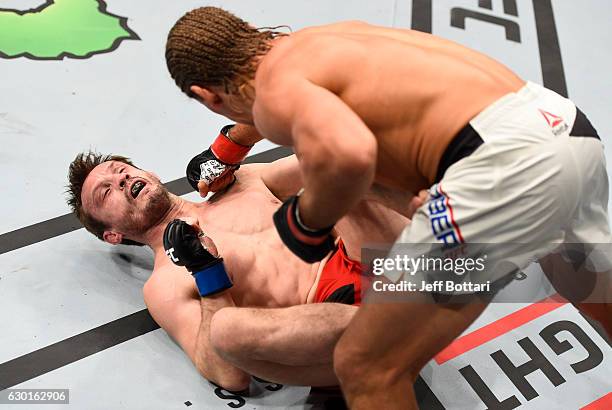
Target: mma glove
222, 158
183, 247
310, 245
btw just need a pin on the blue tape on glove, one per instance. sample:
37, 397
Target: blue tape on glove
211, 280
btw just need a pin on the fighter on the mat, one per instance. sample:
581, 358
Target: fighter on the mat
268, 323
506, 161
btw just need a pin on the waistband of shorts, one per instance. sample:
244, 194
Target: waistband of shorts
511, 101
462, 145
468, 139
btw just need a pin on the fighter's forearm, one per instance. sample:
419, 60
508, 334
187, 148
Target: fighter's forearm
244, 134
331, 191
283, 177
210, 365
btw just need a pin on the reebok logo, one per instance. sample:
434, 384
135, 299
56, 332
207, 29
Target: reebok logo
551, 119
555, 122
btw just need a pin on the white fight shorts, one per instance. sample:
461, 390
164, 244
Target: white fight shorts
537, 177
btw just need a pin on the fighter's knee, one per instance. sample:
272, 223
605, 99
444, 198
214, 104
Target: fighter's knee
359, 368
341, 359
353, 364
346, 367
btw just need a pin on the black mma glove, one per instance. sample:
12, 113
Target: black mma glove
183, 247
310, 245
222, 158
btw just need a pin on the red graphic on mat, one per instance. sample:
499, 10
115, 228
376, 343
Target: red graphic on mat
551, 119
498, 328
602, 403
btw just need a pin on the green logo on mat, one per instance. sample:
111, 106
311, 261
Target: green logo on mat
62, 28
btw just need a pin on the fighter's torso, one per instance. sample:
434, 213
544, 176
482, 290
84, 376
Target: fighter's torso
263, 270
413, 90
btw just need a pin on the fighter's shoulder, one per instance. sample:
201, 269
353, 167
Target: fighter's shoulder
156, 287
294, 54
249, 176
289, 61
163, 272
341, 26
165, 284
283, 58
248, 172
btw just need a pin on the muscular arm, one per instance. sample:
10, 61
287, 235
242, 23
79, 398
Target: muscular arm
207, 360
336, 150
244, 134
186, 318
283, 177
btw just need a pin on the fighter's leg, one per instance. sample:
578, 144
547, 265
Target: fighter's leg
581, 269
589, 291
381, 353
502, 194
291, 345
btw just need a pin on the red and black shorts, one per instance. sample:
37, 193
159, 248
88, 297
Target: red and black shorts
340, 280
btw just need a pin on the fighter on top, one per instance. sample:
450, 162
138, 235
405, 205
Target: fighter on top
505, 161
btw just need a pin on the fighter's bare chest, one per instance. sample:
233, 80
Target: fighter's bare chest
245, 213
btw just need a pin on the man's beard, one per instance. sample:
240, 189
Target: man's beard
157, 205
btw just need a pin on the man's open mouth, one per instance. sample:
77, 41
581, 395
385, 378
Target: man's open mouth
136, 188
